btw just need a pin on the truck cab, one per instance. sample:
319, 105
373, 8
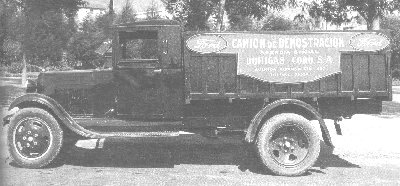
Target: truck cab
148, 69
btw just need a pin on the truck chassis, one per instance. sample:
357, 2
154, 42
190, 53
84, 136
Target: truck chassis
164, 81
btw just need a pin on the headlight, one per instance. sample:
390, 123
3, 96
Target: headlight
31, 87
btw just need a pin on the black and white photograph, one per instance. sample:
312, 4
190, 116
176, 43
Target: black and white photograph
199, 92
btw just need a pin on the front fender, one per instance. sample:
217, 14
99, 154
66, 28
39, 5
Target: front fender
256, 121
33, 99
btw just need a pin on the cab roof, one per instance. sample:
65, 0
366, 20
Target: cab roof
155, 22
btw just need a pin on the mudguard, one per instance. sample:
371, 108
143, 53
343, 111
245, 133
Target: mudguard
256, 121
27, 100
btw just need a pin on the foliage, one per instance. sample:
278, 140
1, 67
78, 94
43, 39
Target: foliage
82, 45
104, 23
152, 11
48, 34
241, 23
111, 7
272, 22
256, 8
7, 13
127, 14
3, 22
338, 11
51, 34
40, 29
240, 10
276, 23
44, 20
59, 66
12, 51
16, 68
392, 23
46, 39
303, 21
396, 74
193, 14
68, 7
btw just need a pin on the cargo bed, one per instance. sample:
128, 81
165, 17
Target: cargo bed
214, 76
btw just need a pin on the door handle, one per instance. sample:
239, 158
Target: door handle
157, 71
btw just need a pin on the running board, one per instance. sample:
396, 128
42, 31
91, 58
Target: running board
139, 134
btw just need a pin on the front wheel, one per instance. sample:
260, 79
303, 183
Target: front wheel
288, 145
34, 138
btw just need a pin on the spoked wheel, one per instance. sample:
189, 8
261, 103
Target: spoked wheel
34, 138
288, 145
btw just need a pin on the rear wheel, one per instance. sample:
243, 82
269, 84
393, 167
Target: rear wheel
34, 138
288, 145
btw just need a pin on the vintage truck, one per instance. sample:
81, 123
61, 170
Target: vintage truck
261, 87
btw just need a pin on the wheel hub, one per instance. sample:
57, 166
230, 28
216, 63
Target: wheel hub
31, 138
287, 146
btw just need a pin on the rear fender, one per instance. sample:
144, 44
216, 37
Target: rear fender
258, 118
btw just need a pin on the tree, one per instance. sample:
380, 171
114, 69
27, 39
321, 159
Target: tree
393, 23
49, 38
83, 44
105, 23
241, 23
33, 11
3, 30
7, 19
32, 23
92, 34
111, 7
127, 14
220, 15
193, 14
152, 11
258, 9
276, 23
338, 11
36, 11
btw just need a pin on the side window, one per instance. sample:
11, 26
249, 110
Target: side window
141, 45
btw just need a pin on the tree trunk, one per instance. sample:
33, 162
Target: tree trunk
3, 31
24, 78
376, 23
220, 21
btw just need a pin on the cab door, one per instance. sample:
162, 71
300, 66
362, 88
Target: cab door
148, 74
172, 71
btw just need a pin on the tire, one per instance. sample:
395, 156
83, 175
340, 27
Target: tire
34, 138
288, 145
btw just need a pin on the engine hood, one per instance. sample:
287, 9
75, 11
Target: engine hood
48, 82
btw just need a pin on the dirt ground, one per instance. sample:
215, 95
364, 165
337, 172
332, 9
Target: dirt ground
367, 153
